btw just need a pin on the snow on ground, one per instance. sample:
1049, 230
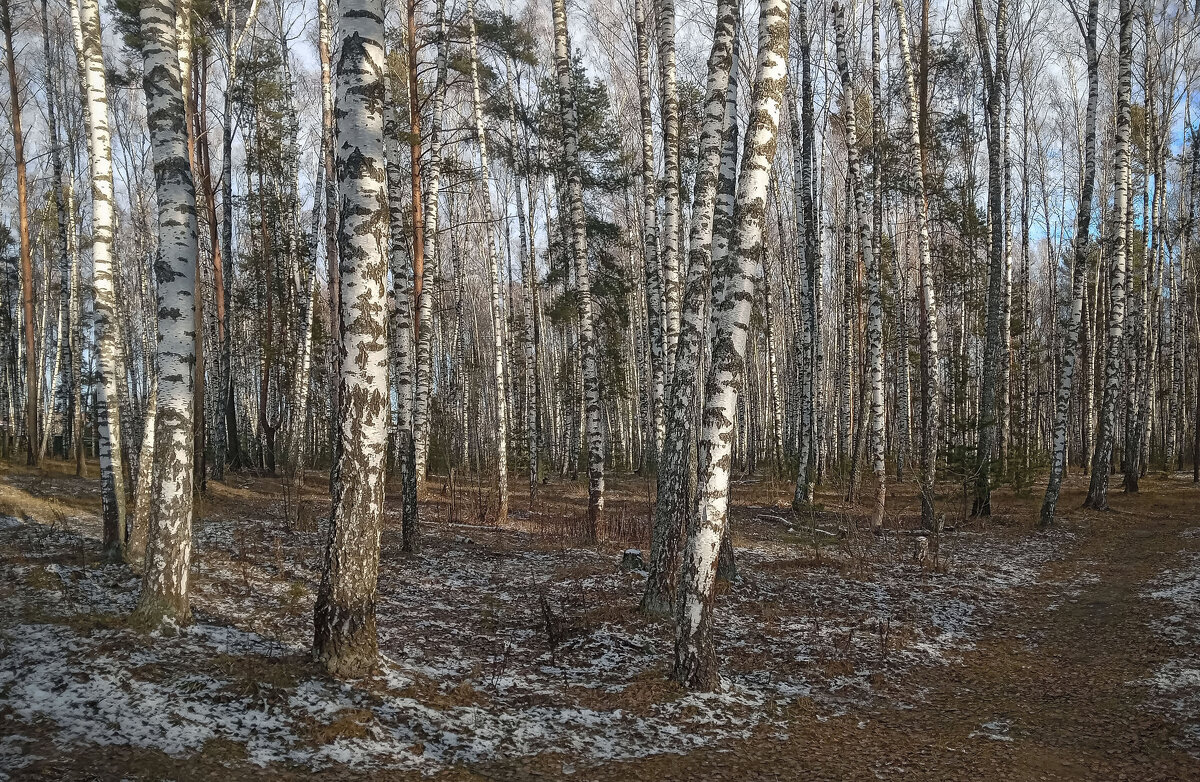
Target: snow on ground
1177, 682
469, 672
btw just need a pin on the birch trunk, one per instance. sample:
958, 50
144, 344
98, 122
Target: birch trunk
1097, 496
164, 594
675, 476
425, 241
994, 338
809, 274
655, 316
930, 389
874, 337
579, 247
672, 212
695, 664
497, 301
86, 17
345, 642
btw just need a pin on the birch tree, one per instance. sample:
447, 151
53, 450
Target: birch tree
930, 390
577, 225
675, 479
164, 594
672, 216
497, 307
655, 316
1080, 247
695, 664
866, 243
1097, 496
994, 338
345, 642
85, 18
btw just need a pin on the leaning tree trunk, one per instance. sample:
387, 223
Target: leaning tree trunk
871, 262
1097, 496
579, 247
695, 663
674, 472
104, 272
930, 391
345, 643
497, 307
164, 594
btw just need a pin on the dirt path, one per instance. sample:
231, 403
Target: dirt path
1051, 692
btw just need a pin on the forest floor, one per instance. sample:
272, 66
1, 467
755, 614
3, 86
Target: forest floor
1007, 653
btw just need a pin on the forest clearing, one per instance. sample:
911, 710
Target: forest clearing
844, 657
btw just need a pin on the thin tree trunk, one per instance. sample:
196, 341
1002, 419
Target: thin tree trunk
31, 337
1097, 496
497, 302
930, 388
655, 316
579, 247
993, 338
86, 16
874, 337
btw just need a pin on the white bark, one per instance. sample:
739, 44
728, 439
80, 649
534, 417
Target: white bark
85, 14
497, 301
695, 658
1114, 359
579, 247
164, 593
866, 242
345, 641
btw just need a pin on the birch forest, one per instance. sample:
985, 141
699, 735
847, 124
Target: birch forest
649, 389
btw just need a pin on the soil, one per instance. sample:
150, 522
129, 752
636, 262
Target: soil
1055, 682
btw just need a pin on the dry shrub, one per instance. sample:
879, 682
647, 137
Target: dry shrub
647, 689
346, 724
429, 693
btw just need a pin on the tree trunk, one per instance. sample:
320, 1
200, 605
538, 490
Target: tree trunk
579, 247
871, 262
930, 388
31, 363
1097, 496
672, 212
695, 663
655, 316
994, 338
675, 476
104, 271
345, 642
497, 301
164, 594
